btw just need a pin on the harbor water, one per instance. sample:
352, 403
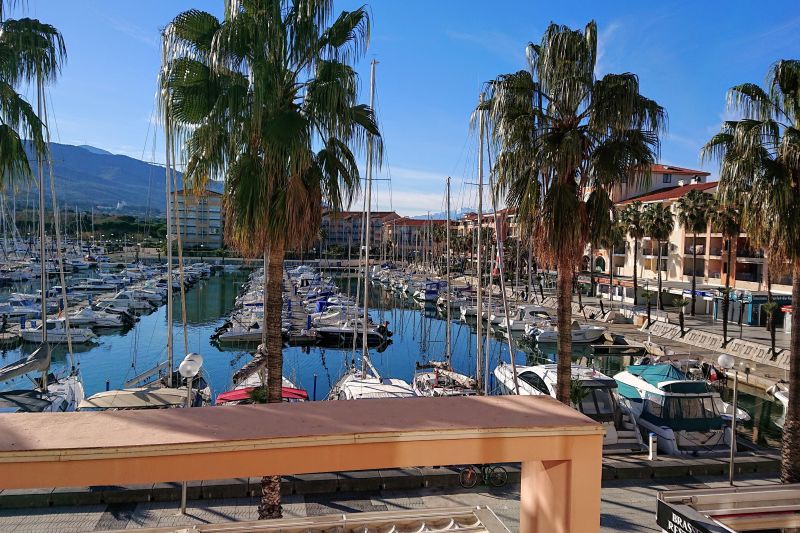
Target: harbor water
418, 335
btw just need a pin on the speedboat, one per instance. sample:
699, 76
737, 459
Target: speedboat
682, 413
126, 301
344, 332
581, 333
95, 285
428, 293
596, 399
99, 319
534, 315
56, 332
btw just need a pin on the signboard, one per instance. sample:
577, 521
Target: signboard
672, 521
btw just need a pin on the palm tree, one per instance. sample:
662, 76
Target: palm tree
631, 217
658, 224
30, 51
614, 238
759, 159
681, 303
725, 220
560, 133
693, 208
267, 100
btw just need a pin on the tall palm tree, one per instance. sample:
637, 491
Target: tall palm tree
725, 220
658, 224
560, 133
30, 51
267, 99
693, 208
759, 159
631, 217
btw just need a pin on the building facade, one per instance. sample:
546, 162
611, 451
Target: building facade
343, 228
200, 218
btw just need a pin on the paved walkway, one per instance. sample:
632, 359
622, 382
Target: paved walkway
627, 506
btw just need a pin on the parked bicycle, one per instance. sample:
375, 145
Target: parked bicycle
493, 475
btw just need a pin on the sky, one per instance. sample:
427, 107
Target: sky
434, 57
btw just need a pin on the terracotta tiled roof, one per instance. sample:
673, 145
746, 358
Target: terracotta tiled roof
416, 222
670, 193
678, 171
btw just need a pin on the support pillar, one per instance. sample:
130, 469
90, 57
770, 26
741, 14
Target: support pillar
561, 496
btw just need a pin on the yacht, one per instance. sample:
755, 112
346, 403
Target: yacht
581, 333
598, 403
95, 285
359, 385
126, 301
429, 292
344, 331
99, 319
61, 394
56, 332
682, 413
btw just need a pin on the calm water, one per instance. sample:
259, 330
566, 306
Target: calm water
419, 335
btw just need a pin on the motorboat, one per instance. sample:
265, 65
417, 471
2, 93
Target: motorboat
126, 301
681, 412
581, 333
99, 319
95, 285
56, 332
524, 315
429, 292
597, 400
344, 332
437, 378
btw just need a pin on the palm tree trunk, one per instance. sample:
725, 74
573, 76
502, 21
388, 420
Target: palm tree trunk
658, 270
635, 276
270, 505
611, 278
726, 299
790, 452
694, 271
591, 269
564, 346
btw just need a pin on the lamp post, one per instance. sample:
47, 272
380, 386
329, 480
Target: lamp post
189, 368
727, 362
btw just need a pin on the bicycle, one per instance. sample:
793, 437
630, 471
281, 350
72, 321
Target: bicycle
493, 475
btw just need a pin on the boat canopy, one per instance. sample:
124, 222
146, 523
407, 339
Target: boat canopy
668, 378
137, 398
237, 395
27, 401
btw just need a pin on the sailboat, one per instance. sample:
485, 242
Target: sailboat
366, 382
437, 378
52, 394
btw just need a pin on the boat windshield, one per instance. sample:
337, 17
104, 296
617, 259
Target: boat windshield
690, 413
598, 403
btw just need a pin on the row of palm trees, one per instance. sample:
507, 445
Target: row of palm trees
564, 139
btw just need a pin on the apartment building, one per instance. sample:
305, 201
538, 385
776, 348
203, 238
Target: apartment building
343, 228
748, 272
413, 237
200, 216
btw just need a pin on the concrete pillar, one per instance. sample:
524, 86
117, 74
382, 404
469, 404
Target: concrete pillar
561, 496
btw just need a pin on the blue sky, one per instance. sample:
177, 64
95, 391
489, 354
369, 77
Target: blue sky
434, 57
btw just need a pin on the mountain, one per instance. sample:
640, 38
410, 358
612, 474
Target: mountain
95, 150
454, 215
89, 177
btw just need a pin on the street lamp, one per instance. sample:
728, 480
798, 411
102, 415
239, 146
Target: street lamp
727, 362
189, 368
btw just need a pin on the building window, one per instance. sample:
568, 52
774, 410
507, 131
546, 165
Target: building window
667, 178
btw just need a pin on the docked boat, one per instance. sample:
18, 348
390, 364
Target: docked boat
136, 398
95, 285
61, 393
526, 315
358, 385
56, 332
100, 319
598, 402
243, 392
344, 332
682, 413
780, 391
126, 301
437, 378
581, 333
429, 292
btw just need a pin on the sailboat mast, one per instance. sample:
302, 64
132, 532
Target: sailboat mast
479, 265
364, 345
168, 140
42, 247
447, 279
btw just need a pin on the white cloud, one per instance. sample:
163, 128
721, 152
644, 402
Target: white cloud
604, 36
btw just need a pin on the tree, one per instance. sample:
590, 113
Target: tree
681, 303
693, 209
759, 158
725, 220
658, 225
560, 133
632, 219
30, 52
614, 238
648, 295
267, 100
771, 308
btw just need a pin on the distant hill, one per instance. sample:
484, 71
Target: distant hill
454, 214
89, 177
